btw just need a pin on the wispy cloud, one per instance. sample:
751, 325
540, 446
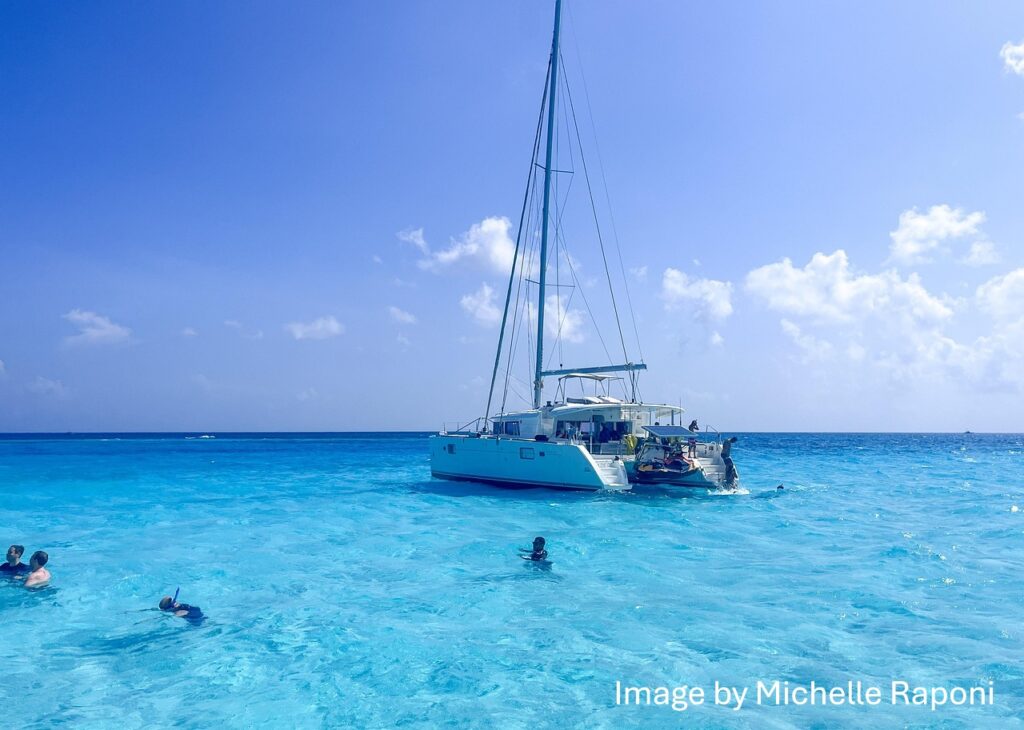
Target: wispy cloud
639, 273
189, 332
401, 316
319, 329
403, 341
236, 325
1013, 57
982, 253
919, 234
95, 329
415, 237
47, 387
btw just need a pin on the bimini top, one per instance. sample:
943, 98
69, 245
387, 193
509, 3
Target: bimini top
590, 376
666, 432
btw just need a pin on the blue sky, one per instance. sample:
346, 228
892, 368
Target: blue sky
288, 217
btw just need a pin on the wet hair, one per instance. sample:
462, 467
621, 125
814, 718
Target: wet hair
40, 557
19, 549
538, 540
166, 603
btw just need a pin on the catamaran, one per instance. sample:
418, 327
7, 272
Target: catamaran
584, 437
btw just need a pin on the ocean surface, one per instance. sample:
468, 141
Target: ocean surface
346, 588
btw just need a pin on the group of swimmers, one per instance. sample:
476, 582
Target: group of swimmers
34, 575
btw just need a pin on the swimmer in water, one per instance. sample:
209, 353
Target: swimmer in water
538, 552
38, 576
181, 610
14, 567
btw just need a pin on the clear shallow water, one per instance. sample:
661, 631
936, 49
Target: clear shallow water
344, 587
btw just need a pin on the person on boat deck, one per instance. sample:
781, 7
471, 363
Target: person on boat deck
691, 447
38, 576
538, 552
14, 566
181, 610
693, 427
605, 435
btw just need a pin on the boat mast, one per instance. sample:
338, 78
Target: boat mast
538, 382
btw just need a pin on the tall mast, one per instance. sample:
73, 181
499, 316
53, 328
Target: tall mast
538, 384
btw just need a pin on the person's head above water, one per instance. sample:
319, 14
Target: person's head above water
538, 544
39, 559
14, 553
166, 603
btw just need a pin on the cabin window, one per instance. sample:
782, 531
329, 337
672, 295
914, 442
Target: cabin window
451, 448
509, 428
525, 453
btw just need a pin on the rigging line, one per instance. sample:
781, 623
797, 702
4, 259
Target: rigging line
600, 337
526, 261
604, 183
519, 234
564, 315
597, 224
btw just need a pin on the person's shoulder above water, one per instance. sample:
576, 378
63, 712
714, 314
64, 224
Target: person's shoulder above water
537, 553
38, 576
181, 610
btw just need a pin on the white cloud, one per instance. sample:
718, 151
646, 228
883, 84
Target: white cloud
319, 329
95, 329
918, 234
403, 340
812, 347
377, 259
716, 339
559, 320
188, 332
415, 237
401, 316
481, 307
711, 298
487, 243
47, 387
1013, 57
233, 324
982, 253
1003, 296
639, 273
827, 290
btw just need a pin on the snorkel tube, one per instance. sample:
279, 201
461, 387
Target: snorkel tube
175, 599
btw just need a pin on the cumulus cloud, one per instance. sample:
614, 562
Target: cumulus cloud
710, 297
716, 339
918, 234
486, 243
401, 316
95, 329
319, 329
828, 290
982, 253
1013, 57
1003, 296
481, 307
47, 387
415, 237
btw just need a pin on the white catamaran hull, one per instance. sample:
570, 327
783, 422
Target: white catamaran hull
524, 463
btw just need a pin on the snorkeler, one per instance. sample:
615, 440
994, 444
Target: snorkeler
38, 576
14, 566
538, 552
181, 610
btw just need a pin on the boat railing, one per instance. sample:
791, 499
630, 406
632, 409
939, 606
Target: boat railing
470, 427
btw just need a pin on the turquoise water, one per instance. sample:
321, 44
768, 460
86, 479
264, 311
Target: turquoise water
345, 588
